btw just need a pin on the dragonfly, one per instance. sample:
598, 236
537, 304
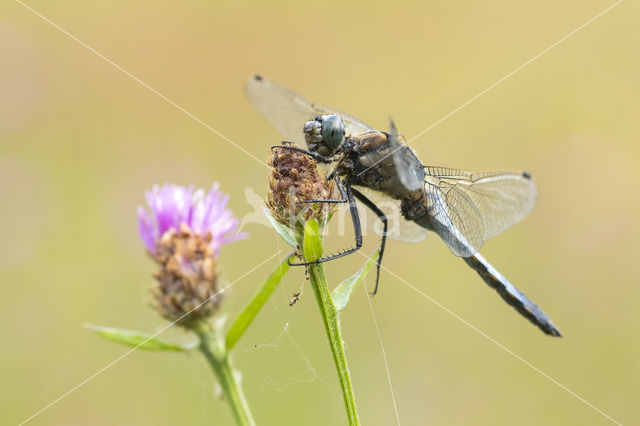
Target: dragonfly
378, 168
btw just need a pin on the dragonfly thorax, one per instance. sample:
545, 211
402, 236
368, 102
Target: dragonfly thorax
325, 134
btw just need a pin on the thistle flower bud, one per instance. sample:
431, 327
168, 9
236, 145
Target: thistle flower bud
295, 177
183, 234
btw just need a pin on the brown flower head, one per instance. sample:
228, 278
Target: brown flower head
187, 287
295, 177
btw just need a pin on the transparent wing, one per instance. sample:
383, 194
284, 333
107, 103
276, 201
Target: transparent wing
409, 169
282, 108
288, 112
468, 208
354, 126
398, 227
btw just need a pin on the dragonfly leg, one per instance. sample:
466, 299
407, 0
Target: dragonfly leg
319, 158
383, 218
343, 193
347, 192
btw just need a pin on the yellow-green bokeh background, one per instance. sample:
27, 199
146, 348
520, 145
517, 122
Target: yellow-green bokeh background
80, 142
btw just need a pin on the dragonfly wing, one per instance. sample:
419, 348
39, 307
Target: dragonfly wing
354, 126
408, 167
283, 109
288, 112
469, 208
398, 227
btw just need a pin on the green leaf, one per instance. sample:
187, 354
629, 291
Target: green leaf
341, 294
282, 230
136, 339
312, 243
247, 316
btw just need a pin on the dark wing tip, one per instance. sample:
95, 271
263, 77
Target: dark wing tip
526, 175
257, 77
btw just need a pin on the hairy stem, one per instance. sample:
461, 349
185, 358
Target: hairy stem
332, 327
213, 348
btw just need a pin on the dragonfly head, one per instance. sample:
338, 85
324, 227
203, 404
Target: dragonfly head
325, 134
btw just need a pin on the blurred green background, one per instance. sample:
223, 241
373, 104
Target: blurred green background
80, 142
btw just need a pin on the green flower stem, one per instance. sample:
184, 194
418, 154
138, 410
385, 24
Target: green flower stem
332, 327
213, 348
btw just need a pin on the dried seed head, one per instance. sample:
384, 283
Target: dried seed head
294, 177
188, 277
183, 231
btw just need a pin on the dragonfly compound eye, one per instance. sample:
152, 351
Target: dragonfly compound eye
332, 131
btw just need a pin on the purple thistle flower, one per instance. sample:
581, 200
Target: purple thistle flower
173, 206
